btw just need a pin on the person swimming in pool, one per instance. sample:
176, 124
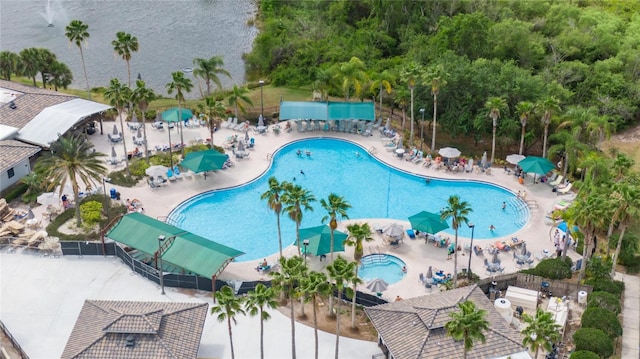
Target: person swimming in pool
492, 227
302, 172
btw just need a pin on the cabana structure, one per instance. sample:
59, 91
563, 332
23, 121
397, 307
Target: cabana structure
179, 251
327, 111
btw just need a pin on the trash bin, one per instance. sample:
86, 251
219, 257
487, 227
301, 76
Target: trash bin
112, 193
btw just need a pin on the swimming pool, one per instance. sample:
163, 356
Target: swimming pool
238, 218
383, 266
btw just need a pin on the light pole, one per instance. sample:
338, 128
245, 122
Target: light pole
306, 244
161, 238
104, 202
472, 226
261, 82
422, 128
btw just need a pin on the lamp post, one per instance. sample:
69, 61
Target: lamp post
472, 226
305, 243
261, 82
105, 201
161, 238
422, 128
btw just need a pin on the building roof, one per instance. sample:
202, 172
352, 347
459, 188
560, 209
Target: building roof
13, 152
126, 329
185, 250
29, 101
414, 328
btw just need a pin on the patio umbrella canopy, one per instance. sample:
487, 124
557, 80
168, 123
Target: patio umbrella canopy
156, 171
201, 161
483, 161
427, 222
260, 120
115, 129
134, 117
171, 115
48, 198
394, 230
563, 227
377, 285
515, 158
113, 152
537, 165
449, 152
320, 240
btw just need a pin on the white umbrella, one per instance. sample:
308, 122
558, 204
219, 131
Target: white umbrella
260, 121
387, 125
483, 161
134, 117
394, 230
139, 133
515, 158
399, 143
155, 171
246, 136
240, 146
115, 130
377, 285
48, 198
113, 152
449, 152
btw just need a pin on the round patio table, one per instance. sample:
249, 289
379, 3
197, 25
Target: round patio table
400, 152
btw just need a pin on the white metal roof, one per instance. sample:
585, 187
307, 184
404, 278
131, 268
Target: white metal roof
7, 132
56, 120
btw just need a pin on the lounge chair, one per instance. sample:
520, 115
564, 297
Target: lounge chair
299, 126
411, 234
418, 158
233, 123
565, 189
557, 181
378, 123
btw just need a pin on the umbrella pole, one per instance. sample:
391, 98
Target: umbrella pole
170, 149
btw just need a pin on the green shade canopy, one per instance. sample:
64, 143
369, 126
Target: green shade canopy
299, 110
171, 115
537, 165
320, 240
428, 222
201, 161
189, 251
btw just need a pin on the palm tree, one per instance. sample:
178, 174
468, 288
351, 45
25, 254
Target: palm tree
627, 196
548, 106
322, 84
228, 306
435, 77
179, 85
214, 110
274, 202
258, 300
457, 211
336, 206
209, 69
341, 272
495, 105
358, 233
401, 98
46, 59
315, 285
296, 199
124, 45
541, 331
384, 80
411, 73
60, 75
524, 108
30, 63
237, 97
286, 280
77, 32
468, 325
142, 95
72, 159
351, 74
119, 96
8, 64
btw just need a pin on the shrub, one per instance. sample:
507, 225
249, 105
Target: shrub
120, 178
137, 167
594, 340
599, 268
602, 319
606, 285
584, 354
553, 268
15, 191
604, 300
91, 213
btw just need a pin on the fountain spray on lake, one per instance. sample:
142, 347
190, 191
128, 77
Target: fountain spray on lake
48, 14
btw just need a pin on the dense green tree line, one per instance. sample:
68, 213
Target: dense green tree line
584, 54
33, 61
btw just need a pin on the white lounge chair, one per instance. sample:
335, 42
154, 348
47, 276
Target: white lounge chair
557, 181
565, 189
233, 123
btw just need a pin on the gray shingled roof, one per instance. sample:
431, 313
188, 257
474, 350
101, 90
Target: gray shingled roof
414, 328
157, 329
30, 101
13, 152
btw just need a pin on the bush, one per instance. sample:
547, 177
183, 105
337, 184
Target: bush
91, 212
604, 300
606, 285
120, 178
553, 268
15, 191
594, 340
584, 354
630, 261
137, 167
599, 268
603, 319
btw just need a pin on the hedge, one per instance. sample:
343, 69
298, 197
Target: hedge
602, 319
604, 300
594, 340
584, 354
552, 268
606, 285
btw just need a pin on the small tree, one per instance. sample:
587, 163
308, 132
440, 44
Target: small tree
541, 331
604, 300
227, 307
468, 324
584, 354
258, 300
594, 340
602, 319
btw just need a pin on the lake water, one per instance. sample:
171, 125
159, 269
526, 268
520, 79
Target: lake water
170, 35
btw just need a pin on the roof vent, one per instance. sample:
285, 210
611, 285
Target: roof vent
12, 105
130, 341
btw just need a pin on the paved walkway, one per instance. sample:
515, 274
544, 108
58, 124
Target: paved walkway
630, 315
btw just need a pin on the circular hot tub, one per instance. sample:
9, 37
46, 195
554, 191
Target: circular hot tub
383, 266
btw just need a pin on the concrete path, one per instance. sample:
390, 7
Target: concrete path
40, 299
630, 315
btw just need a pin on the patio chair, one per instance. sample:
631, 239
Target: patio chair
377, 124
299, 126
557, 181
565, 189
418, 158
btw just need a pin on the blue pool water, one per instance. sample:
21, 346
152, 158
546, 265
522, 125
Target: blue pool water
382, 266
238, 218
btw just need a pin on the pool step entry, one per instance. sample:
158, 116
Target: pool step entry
521, 209
375, 258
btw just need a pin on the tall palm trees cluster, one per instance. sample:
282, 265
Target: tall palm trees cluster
33, 61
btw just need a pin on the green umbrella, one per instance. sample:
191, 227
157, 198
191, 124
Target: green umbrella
202, 161
320, 240
171, 115
428, 222
537, 165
